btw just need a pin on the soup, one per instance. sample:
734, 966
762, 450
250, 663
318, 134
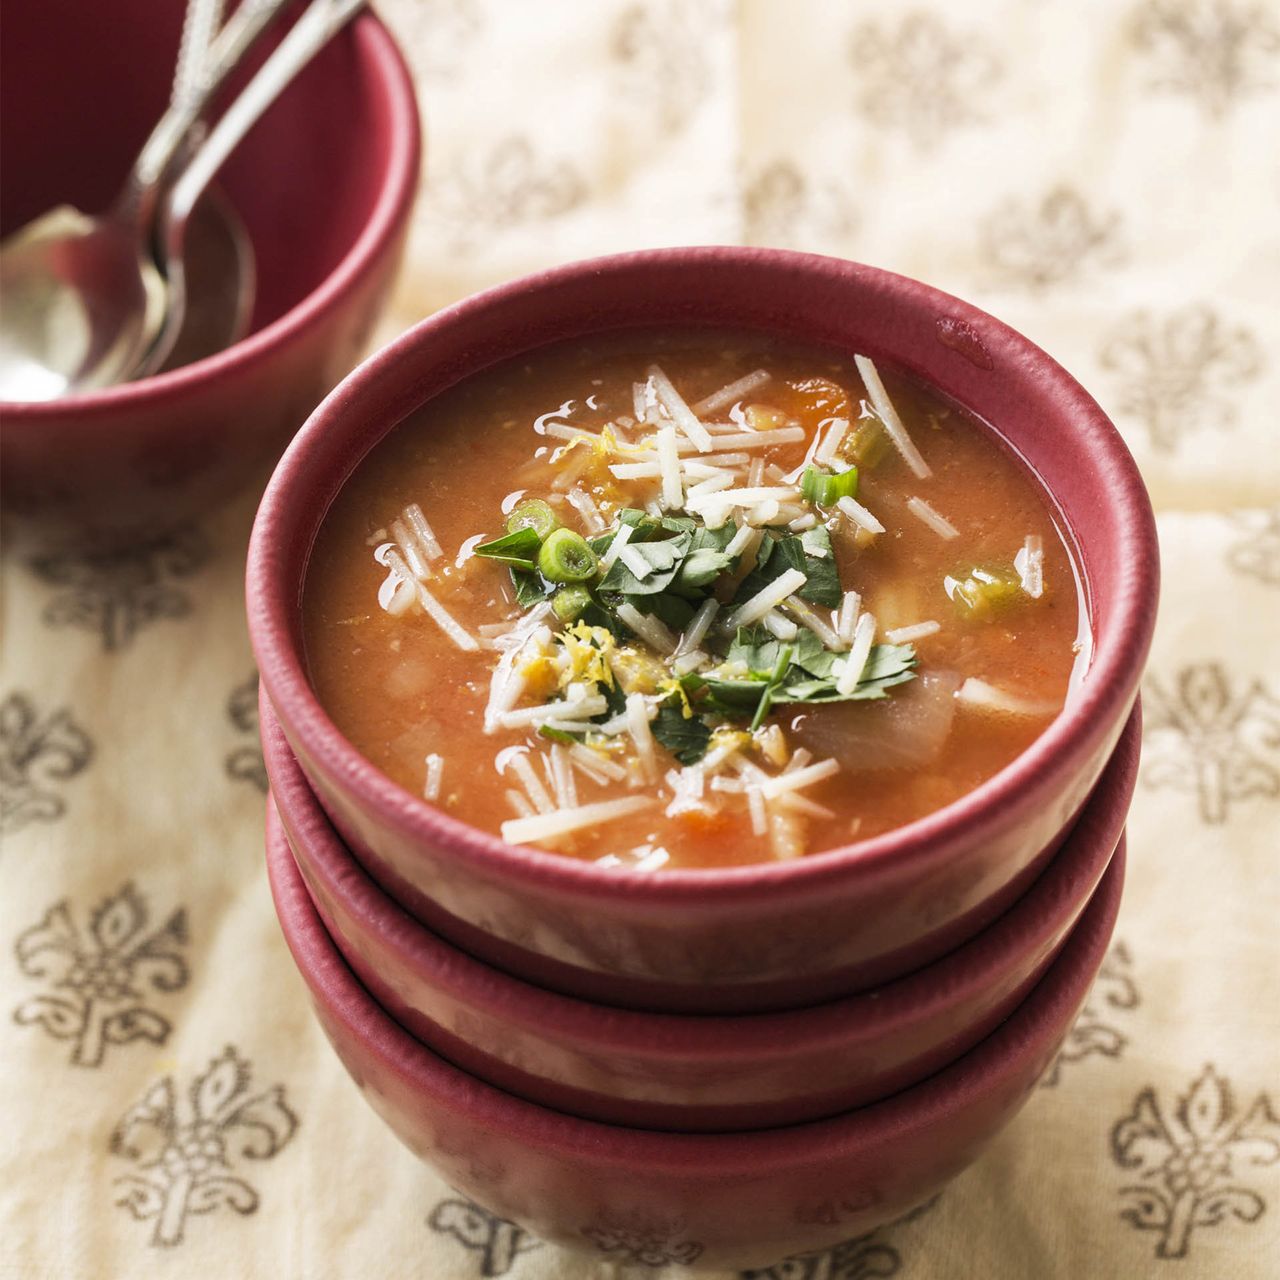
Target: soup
690, 600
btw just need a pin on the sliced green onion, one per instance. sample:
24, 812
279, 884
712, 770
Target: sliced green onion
536, 515
519, 548
569, 602
565, 557
825, 490
984, 593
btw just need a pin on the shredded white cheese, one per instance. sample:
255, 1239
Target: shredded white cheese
669, 463
798, 778
684, 417
814, 622
653, 631
988, 697
698, 626
854, 665
782, 628
938, 523
435, 770
918, 631
1029, 563
825, 453
517, 760
859, 515
850, 603
546, 826
586, 507
431, 547
889, 416
550, 712
775, 593
620, 540
638, 726
728, 395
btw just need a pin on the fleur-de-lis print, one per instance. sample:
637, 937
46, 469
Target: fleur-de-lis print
1202, 738
491, 192
1172, 373
245, 763
780, 207
187, 1149
497, 1242
37, 754
1114, 994
921, 77
1257, 554
860, 1259
1056, 240
115, 594
643, 1241
660, 50
99, 978
1190, 1160
1216, 52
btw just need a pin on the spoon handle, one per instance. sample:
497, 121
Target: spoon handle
204, 64
312, 31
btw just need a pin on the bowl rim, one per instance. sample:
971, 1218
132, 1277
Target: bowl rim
1045, 1014
381, 61
1054, 899
1101, 703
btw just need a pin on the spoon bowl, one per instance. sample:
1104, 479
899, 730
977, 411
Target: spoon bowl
80, 299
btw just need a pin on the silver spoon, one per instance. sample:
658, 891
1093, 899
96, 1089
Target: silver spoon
83, 300
321, 21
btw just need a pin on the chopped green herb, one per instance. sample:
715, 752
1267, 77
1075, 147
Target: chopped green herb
661, 561
565, 557
530, 587
536, 515
559, 735
519, 548
775, 679
686, 737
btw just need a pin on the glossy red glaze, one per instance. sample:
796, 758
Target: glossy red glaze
771, 935
325, 185
710, 1200
673, 1071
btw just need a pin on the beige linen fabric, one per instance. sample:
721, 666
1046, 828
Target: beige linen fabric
1102, 175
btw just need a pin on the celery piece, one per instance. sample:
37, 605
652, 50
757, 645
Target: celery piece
984, 593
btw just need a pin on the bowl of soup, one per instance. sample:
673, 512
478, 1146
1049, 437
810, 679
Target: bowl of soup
711, 1201
323, 184
680, 1071
705, 628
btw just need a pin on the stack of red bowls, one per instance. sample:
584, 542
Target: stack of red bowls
709, 1067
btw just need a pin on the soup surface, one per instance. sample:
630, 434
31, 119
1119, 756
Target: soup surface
690, 600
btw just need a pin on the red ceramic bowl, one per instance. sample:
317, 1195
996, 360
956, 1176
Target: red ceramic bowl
324, 183
713, 1200
681, 1072
772, 935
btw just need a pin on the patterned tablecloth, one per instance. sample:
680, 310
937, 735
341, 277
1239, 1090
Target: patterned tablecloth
1106, 177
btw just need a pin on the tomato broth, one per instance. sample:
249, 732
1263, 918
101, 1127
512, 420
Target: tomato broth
691, 600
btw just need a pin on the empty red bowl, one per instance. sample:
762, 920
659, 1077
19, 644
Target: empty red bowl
682, 1072
711, 1200
770, 935
325, 185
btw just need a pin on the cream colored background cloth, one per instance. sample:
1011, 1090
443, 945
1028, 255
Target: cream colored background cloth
1104, 176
